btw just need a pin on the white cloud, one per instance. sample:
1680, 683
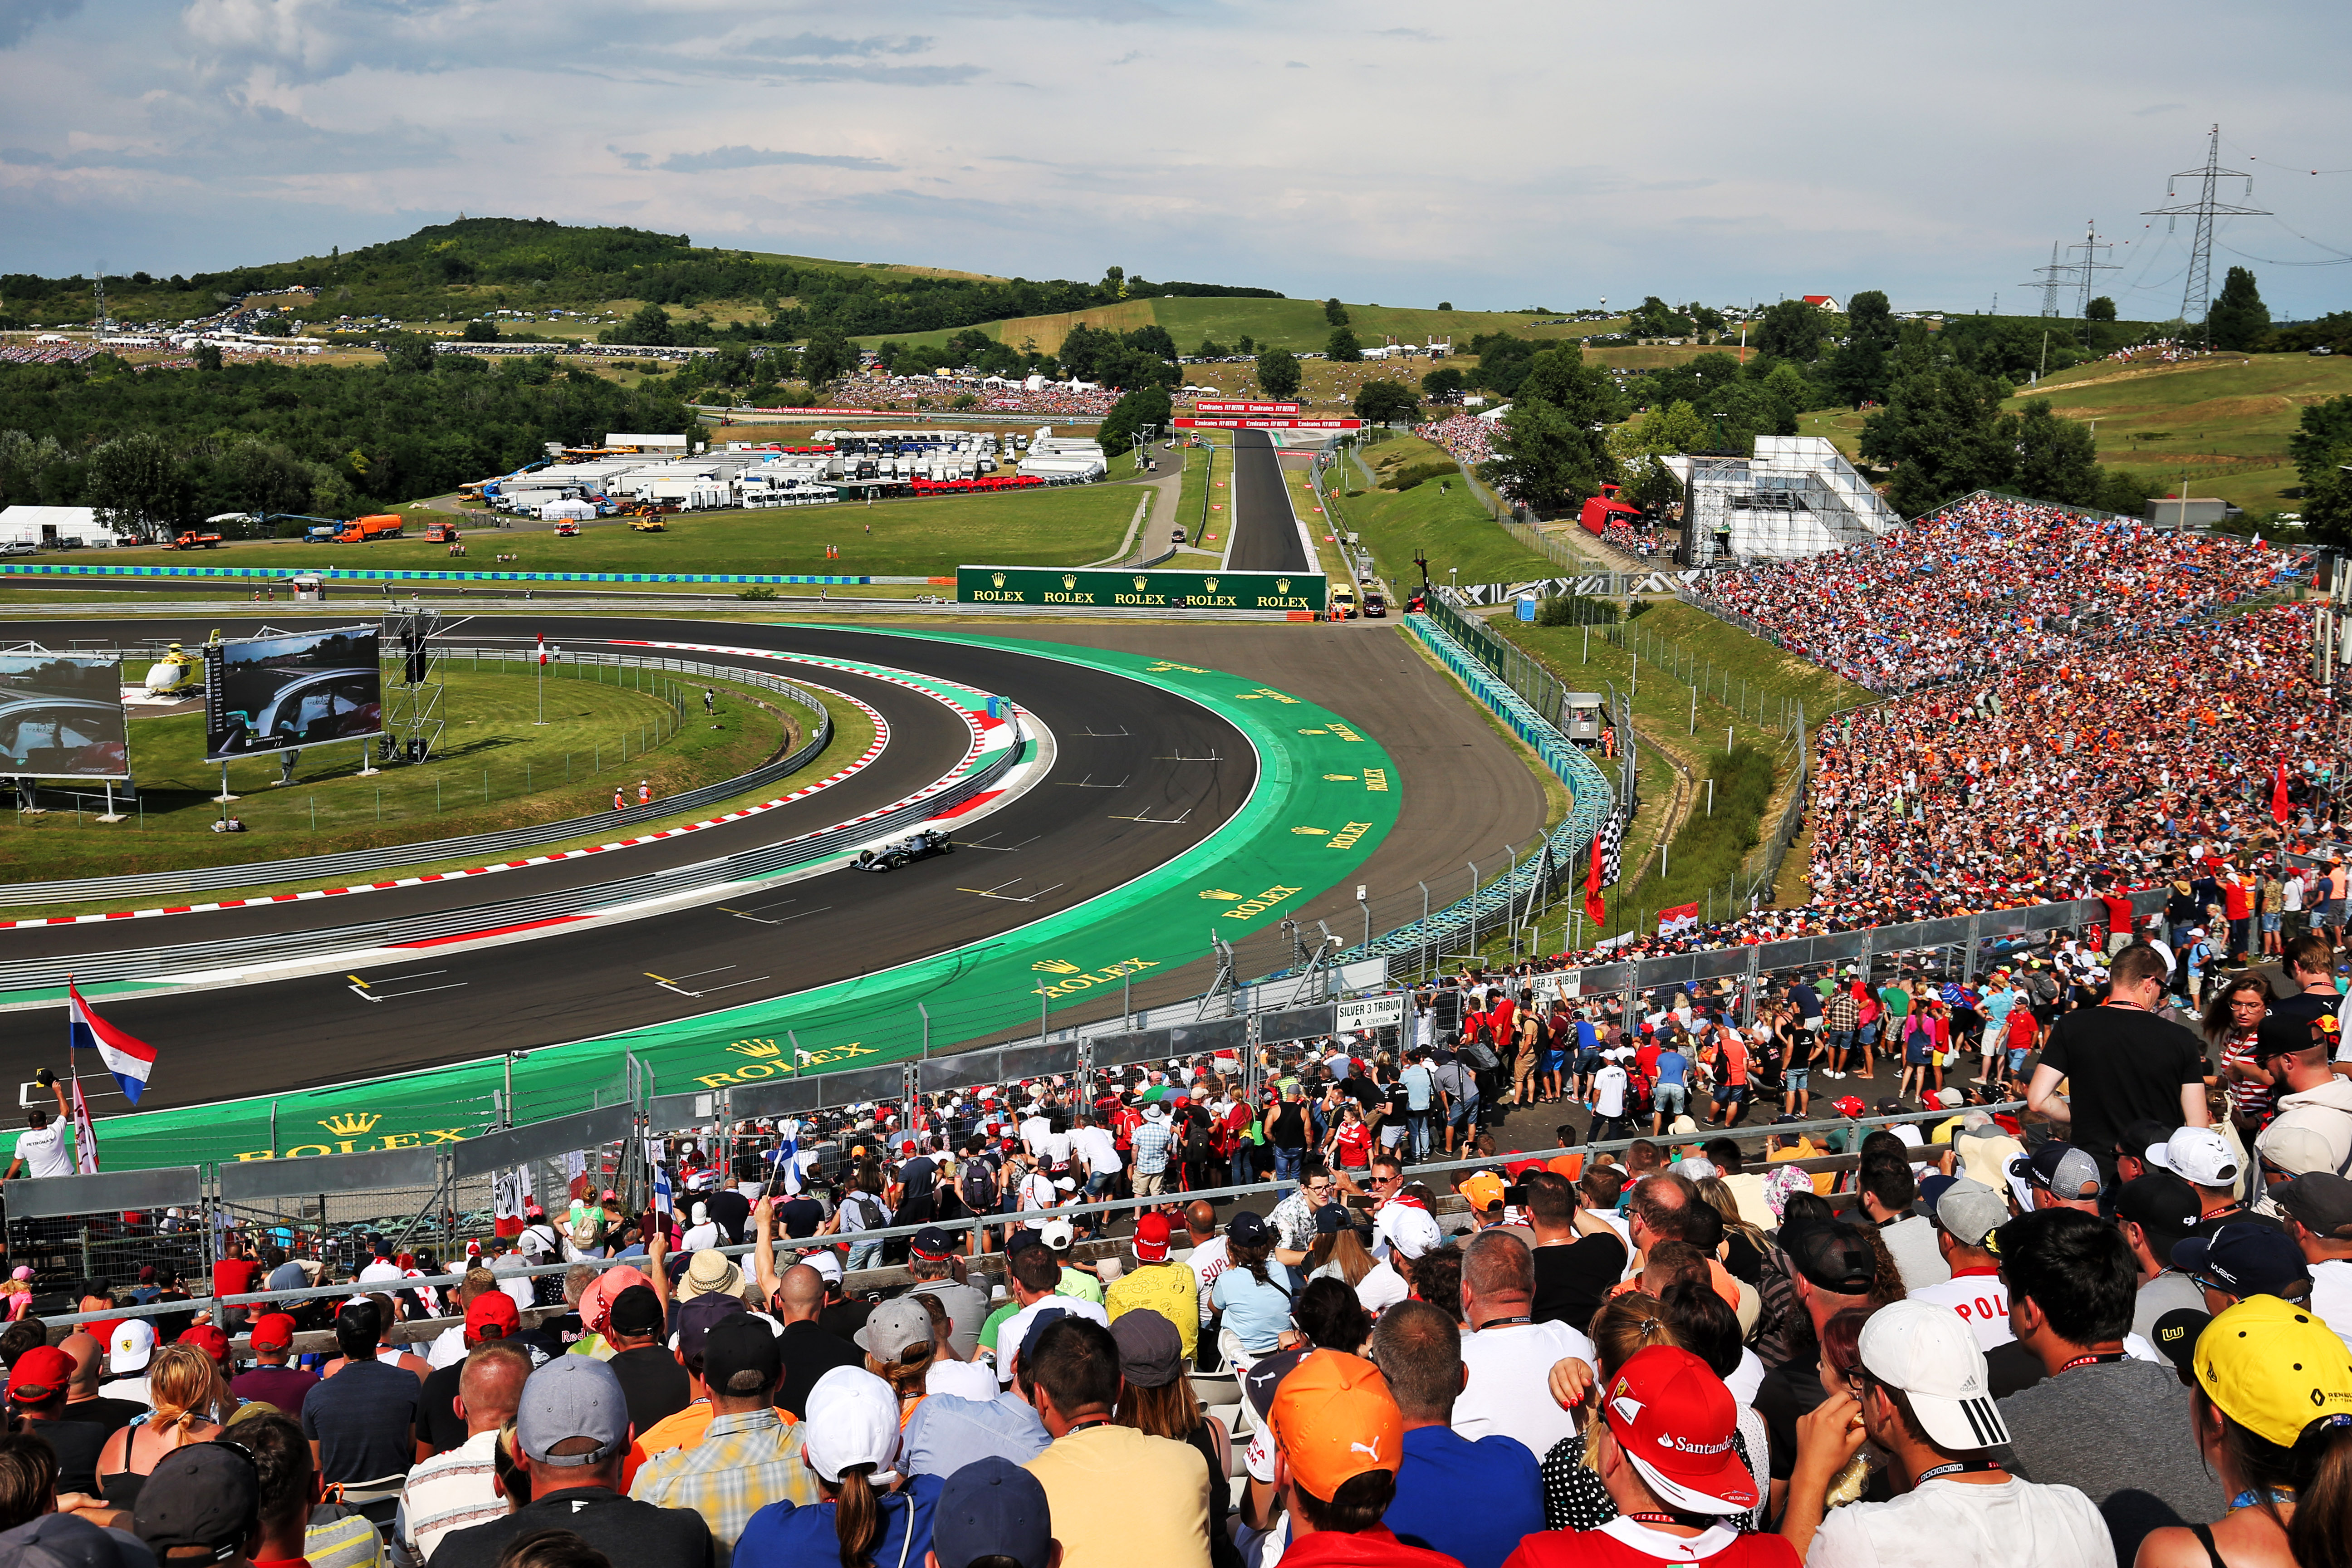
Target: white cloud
1528, 151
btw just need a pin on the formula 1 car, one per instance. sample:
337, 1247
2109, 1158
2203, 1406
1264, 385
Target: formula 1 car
917, 846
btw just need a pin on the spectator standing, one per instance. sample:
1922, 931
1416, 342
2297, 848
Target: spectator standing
2122, 1063
1922, 1394
1834, 1267
2313, 1127
1506, 1355
1888, 1191
359, 1422
1472, 1500
1578, 1256
456, 1489
572, 1429
2072, 1284
1665, 1453
1964, 1213
1120, 1498
2156, 1213
749, 1457
1150, 1146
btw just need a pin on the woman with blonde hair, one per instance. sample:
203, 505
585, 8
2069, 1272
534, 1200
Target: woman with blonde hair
1574, 1496
180, 1383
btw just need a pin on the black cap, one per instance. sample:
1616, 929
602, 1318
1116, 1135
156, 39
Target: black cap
2161, 1203
635, 1310
932, 1243
1833, 1256
2175, 1334
737, 1345
2145, 1135
1247, 1228
206, 1495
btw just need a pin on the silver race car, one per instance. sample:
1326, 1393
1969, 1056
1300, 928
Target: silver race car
917, 846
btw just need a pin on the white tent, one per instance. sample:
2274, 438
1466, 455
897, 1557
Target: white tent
566, 511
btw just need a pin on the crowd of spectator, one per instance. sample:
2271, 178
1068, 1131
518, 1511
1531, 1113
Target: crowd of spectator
869, 391
1468, 437
1987, 583
2115, 1329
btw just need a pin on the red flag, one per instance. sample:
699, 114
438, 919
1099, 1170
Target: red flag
1596, 908
2278, 791
542, 647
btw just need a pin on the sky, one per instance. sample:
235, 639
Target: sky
1503, 154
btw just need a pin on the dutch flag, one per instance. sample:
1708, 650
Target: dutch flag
129, 1059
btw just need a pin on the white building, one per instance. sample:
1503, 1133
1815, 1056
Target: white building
1795, 497
55, 525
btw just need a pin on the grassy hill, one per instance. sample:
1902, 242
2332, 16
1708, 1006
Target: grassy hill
2224, 422
1295, 324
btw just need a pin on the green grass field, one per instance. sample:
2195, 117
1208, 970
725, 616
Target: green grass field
926, 538
2223, 421
1295, 324
1454, 529
497, 770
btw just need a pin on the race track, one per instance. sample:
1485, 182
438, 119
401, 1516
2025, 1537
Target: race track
1266, 532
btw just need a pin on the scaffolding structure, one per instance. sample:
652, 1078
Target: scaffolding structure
413, 716
1795, 497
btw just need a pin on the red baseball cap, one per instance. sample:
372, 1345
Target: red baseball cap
1152, 1233
209, 1339
39, 1373
1675, 1420
492, 1310
273, 1332
1518, 1168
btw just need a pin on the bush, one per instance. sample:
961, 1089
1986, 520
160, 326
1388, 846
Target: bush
1575, 610
1412, 474
756, 591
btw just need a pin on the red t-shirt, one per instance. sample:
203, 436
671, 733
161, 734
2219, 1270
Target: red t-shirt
1503, 1012
2238, 900
235, 1276
1734, 1061
1607, 1548
1355, 1143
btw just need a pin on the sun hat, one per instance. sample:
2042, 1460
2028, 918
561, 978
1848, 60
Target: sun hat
852, 1419
1056, 1234
2175, 1334
1968, 1211
1411, 1231
1484, 1189
826, 1262
208, 1338
711, 1270
635, 1310
2245, 1259
1675, 1419
2274, 1368
596, 1301
2321, 1202
1333, 1419
1832, 1255
275, 1331
1930, 1352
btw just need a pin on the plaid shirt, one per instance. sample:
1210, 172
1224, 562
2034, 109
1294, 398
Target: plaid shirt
745, 1462
1842, 1011
1151, 1141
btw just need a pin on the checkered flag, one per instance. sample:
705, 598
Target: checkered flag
1610, 841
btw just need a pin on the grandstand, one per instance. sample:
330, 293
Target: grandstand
1795, 497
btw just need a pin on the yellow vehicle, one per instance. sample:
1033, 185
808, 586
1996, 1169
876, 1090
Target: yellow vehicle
1343, 601
648, 525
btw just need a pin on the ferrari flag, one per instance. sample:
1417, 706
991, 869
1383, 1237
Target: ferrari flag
129, 1060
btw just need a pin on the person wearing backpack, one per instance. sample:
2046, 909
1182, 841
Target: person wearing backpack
976, 1186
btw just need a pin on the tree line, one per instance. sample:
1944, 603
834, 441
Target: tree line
157, 450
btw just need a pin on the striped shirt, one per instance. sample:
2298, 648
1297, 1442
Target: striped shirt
745, 1462
448, 1491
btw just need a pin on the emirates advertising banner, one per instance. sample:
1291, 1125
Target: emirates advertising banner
1270, 424
1143, 590
1257, 408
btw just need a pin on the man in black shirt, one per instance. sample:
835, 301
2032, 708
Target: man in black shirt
654, 1383
809, 1349
362, 1421
573, 1427
440, 1424
730, 1210
39, 1384
919, 1178
85, 1404
2122, 1063
1578, 1254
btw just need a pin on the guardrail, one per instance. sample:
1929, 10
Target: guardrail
263, 873
571, 902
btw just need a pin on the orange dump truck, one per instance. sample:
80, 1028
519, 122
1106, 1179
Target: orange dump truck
361, 529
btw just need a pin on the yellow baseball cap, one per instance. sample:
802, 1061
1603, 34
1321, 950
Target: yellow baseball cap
2275, 1368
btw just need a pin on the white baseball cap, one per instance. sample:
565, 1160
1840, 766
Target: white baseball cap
826, 1262
1056, 1234
131, 1346
1411, 1231
852, 1419
1931, 1354
2198, 1155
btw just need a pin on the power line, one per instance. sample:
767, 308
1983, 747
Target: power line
2197, 301
2051, 277
2090, 266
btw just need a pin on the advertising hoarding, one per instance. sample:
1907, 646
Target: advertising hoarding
1269, 423
1260, 408
301, 688
61, 717
1109, 589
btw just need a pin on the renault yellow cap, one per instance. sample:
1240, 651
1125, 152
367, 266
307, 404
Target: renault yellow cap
2275, 1368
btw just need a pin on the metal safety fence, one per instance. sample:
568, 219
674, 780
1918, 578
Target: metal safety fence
362, 862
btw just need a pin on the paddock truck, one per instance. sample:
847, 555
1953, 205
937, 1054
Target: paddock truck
650, 524
366, 529
567, 528
919, 844
192, 540
441, 534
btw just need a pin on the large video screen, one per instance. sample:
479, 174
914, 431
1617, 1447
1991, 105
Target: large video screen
61, 717
306, 688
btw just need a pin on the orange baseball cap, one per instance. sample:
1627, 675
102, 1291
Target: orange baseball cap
1483, 1188
1334, 1418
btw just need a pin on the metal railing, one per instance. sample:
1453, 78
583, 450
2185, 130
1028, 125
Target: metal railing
262, 873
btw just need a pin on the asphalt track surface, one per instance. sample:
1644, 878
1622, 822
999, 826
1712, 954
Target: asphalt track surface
1266, 533
317, 1029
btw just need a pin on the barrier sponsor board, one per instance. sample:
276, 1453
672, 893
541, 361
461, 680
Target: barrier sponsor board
279, 693
1269, 423
1109, 589
61, 717
1258, 408
1372, 1013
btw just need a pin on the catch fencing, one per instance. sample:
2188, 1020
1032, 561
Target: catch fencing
366, 862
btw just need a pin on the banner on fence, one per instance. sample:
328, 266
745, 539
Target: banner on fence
1143, 590
1372, 1013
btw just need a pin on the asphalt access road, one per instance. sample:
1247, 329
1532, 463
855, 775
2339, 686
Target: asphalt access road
1056, 841
1266, 533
